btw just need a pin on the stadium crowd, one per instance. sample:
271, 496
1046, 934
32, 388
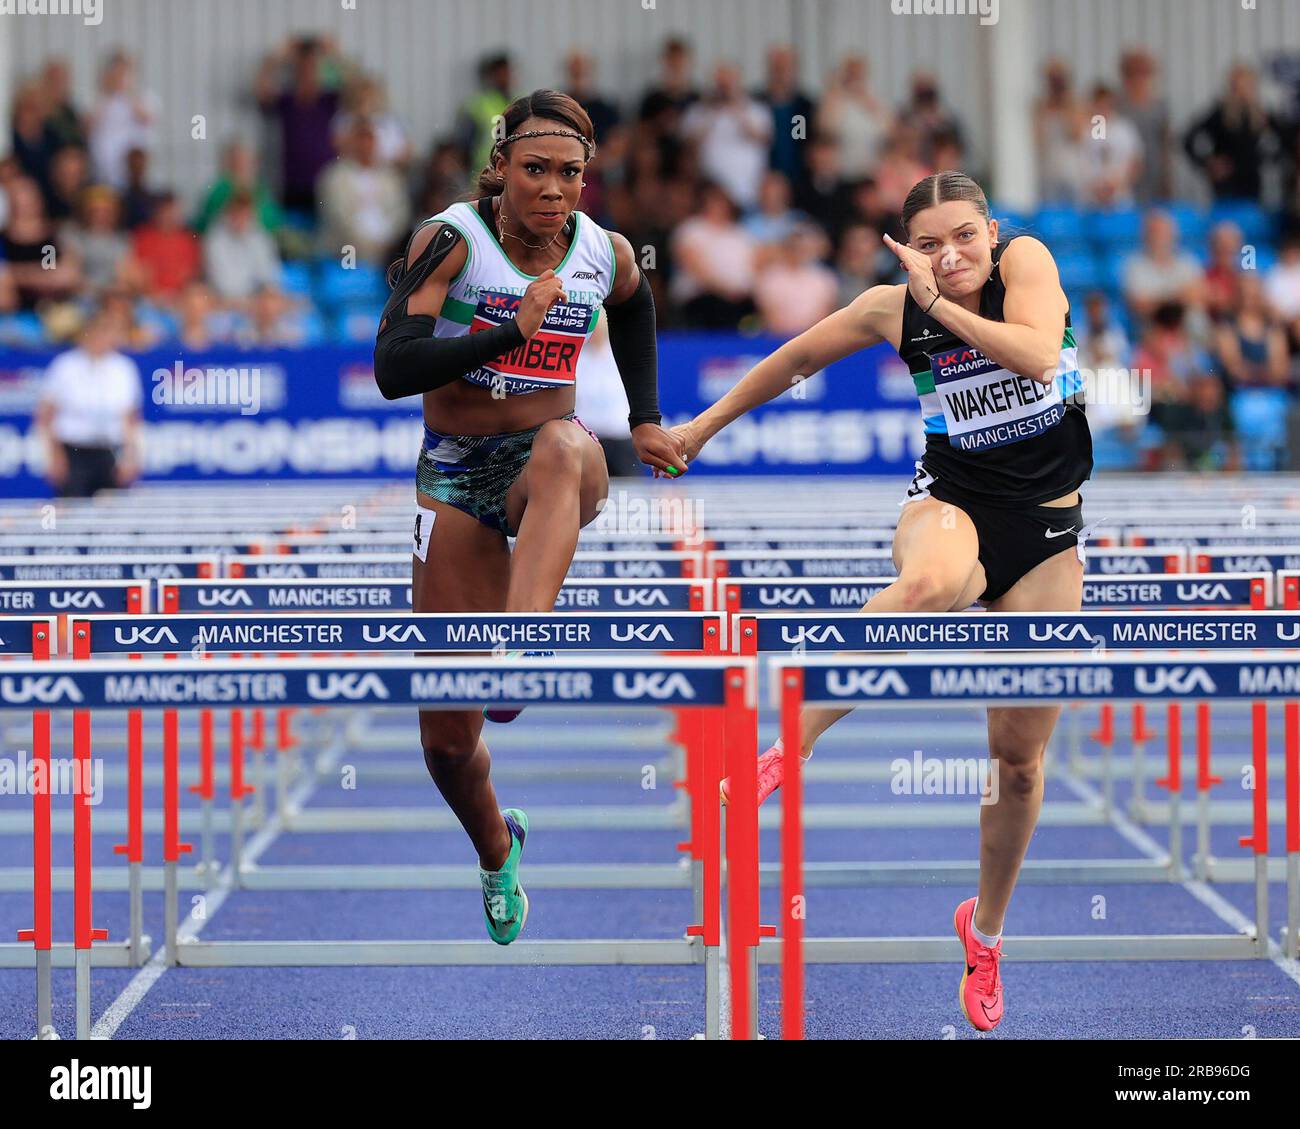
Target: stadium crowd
758, 210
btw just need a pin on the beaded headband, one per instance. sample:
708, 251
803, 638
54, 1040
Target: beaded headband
587, 146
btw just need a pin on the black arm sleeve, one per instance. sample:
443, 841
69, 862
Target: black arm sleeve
636, 352
410, 361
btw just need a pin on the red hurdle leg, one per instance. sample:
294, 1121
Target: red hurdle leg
41, 932
742, 855
1173, 781
1205, 780
1292, 715
793, 905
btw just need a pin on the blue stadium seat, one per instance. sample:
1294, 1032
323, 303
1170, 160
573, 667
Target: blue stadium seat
357, 323
296, 277
23, 330
1192, 222
1115, 227
1110, 270
1079, 270
1055, 223
1255, 223
338, 286
1260, 415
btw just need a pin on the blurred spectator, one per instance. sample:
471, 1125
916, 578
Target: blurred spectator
856, 263
1160, 272
445, 179
927, 115
364, 98
825, 194
363, 203
480, 110
1250, 344
304, 108
602, 403
238, 255
88, 418
1059, 127
580, 85
732, 133
795, 290
69, 178
200, 321
63, 117
664, 106
774, 218
133, 331
1282, 287
1235, 140
713, 280
857, 120
1110, 153
40, 263
1188, 405
866, 207
1223, 270
104, 250
166, 252
34, 139
793, 113
1112, 390
900, 165
271, 322
1141, 105
606, 171
946, 152
239, 173
138, 199
8, 291
123, 119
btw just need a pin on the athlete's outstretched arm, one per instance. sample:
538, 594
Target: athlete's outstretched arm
1028, 341
857, 326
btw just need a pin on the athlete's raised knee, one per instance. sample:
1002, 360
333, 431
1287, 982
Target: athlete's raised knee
557, 449
927, 591
1018, 777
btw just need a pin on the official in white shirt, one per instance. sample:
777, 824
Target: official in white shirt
601, 403
89, 414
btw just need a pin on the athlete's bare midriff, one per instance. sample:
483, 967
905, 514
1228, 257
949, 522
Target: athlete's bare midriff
462, 408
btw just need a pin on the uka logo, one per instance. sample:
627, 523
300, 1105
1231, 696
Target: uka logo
1060, 633
224, 598
875, 683
640, 597
652, 684
784, 597
78, 600
350, 685
1174, 679
391, 633
43, 688
828, 633
641, 632
1203, 593
148, 636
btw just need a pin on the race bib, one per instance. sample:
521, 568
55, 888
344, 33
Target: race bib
549, 359
986, 406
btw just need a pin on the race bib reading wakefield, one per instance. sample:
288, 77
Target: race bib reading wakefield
985, 406
549, 359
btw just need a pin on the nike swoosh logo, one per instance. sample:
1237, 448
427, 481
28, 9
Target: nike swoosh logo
970, 968
987, 1014
1059, 532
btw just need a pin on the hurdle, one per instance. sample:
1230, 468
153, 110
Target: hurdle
999, 680
724, 687
753, 634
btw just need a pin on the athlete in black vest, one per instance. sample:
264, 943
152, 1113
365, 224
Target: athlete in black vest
994, 511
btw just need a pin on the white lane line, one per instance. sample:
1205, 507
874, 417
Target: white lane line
189, 928
1203, 893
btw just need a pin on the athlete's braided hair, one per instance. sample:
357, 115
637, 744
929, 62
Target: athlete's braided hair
570, 118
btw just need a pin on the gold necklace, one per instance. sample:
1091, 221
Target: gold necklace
502, 233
